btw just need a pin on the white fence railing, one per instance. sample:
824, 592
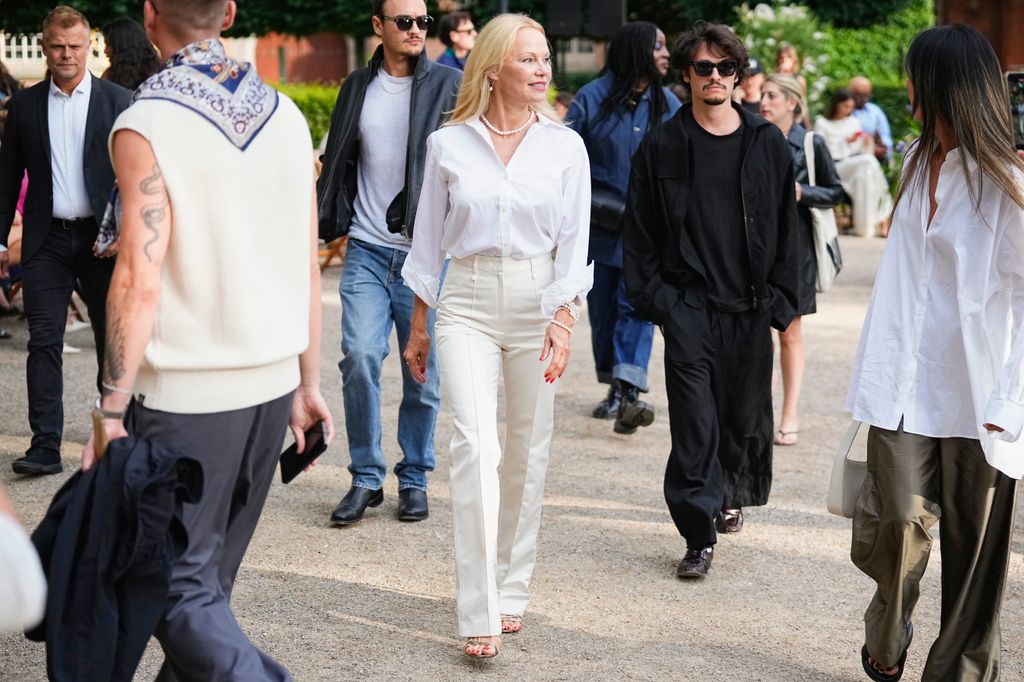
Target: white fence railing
23, 56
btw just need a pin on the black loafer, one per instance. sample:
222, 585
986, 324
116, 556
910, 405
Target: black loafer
633, 412
354, 504
696, 562
609, 407
412, 505
36, 463
729, 520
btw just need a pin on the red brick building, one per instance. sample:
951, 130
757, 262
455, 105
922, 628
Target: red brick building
320, 57
1002, 21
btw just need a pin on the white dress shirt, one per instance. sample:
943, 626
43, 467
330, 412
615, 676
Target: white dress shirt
471, 204
67, 116
942, 345
23, 588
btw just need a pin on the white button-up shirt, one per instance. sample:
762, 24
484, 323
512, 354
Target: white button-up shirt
67, 116
472, 204
942, 345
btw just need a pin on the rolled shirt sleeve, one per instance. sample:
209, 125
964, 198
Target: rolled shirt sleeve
573, 276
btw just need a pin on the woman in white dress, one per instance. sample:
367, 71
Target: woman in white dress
853, 153
506, 194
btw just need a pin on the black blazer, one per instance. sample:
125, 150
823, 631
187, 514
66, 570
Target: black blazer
26, 146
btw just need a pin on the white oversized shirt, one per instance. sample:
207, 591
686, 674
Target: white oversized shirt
66, 117
471, 204
942, 345
23, 588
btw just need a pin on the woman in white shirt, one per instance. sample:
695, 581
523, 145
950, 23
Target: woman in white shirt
939, 373
506, 194
853, 152
23, 587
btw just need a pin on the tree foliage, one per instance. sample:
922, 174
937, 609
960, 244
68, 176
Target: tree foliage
858, 13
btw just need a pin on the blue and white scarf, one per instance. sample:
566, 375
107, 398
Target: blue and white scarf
227, 93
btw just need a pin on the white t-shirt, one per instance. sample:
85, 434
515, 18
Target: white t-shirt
383, 142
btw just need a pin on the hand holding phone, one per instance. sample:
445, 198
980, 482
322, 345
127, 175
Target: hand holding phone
293, 463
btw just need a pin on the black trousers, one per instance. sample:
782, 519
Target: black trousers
49, 278
718, 382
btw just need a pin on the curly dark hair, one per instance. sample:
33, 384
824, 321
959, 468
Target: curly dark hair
718, 38
8, 83
132, 57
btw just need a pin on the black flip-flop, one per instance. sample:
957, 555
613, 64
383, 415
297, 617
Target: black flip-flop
874, 674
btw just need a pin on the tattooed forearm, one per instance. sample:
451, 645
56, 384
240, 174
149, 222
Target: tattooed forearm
153, 214
113, 353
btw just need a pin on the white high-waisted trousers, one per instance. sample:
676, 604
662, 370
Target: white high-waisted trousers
490, 324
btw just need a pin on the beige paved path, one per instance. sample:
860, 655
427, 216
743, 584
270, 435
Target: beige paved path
375, 601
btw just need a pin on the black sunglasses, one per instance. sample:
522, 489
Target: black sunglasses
725, 68
404, 22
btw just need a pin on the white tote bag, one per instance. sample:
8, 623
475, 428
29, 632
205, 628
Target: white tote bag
847, 476
826, 235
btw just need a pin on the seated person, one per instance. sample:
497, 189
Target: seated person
861, 175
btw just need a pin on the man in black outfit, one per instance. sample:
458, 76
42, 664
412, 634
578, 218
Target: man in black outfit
57, 130
709, 239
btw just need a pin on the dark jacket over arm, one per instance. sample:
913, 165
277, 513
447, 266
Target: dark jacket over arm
827, 190
107, 544
661, 263
434, 91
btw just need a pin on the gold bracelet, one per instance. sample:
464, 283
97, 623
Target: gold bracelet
562, 325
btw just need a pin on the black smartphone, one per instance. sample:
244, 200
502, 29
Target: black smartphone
292, 463
1015, 81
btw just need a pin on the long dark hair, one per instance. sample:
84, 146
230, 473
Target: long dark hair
631, 59
957, 80
132, 57
8, 83
838, 97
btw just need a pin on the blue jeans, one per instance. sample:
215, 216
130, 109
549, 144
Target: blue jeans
373, 297
621, 341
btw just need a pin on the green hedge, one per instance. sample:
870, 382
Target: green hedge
315, 101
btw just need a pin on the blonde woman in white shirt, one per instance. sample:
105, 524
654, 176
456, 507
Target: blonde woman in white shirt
939, 373
854, 154
507, 195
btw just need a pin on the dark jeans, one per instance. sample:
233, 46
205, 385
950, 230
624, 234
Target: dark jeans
49, 278
720, 418
621, 341
238, 450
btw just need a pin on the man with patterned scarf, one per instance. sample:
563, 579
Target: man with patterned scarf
216, 189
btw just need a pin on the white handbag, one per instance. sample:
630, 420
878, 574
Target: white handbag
826, 234
847, 476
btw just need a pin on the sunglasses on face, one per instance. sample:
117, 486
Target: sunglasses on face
725, 68
404, 22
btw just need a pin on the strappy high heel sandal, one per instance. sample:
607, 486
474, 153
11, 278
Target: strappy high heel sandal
510, 624
481, 647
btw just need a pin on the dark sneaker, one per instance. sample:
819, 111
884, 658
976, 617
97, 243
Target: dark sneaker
729, 521
609, 407
633, 412
37, 462
696, 562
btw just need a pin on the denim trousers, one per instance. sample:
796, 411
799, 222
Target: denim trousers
49, 277
373, 299
621, 341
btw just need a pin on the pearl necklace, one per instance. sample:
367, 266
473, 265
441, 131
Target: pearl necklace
506, 133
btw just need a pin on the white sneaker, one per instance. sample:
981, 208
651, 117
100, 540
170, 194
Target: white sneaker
68, 348
76, 325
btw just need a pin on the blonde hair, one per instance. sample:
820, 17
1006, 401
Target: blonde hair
787, 50
493, 45
64, 17
791, 88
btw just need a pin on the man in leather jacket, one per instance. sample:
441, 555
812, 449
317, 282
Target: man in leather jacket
709, 245
368, 190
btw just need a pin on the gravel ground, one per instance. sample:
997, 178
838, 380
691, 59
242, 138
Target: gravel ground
376, 601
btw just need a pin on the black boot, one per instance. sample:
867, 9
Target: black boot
609, 407
633, 412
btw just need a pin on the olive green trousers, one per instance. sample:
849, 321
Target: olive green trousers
912, 482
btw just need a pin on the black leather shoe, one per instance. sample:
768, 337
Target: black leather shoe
412, 505
354, 504
609, 407
633, 412
38, 462
729, 520
696, 562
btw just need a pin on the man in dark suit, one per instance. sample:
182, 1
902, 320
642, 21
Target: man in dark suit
57, 131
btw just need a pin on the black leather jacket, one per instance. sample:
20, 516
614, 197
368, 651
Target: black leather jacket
663, 274
434, 90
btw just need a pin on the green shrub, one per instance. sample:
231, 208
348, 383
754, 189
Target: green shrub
315, 101
877, 51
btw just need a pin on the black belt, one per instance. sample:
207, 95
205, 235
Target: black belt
73, 223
